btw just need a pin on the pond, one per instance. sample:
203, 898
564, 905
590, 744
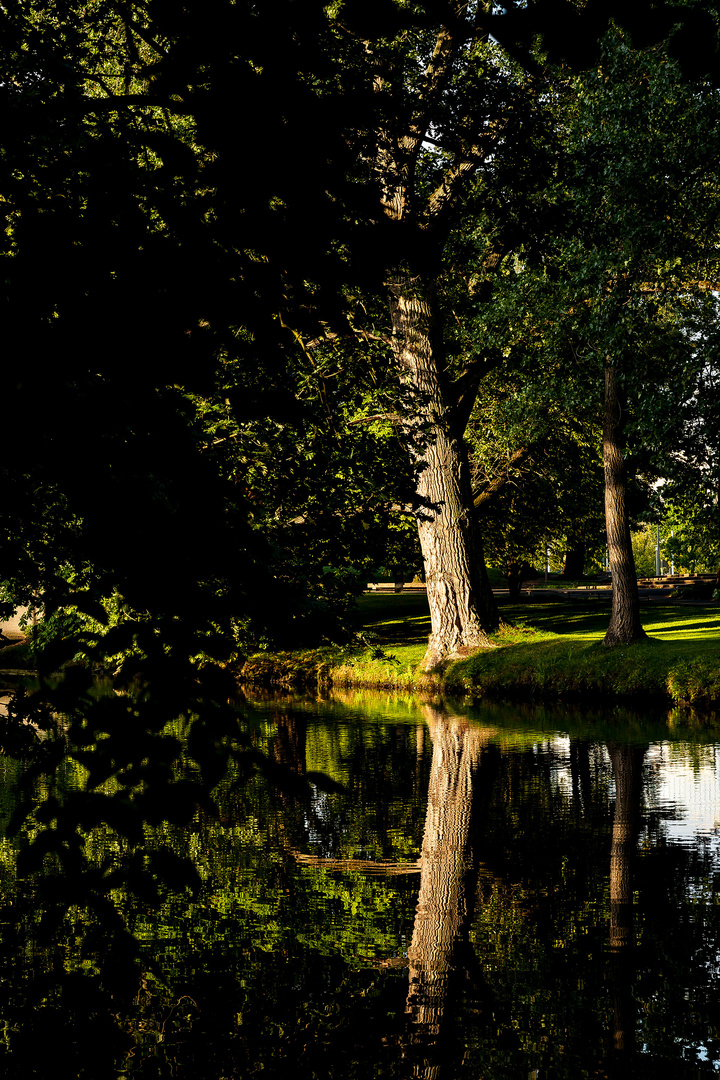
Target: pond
409, 890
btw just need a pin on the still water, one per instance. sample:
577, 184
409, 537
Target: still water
411, 890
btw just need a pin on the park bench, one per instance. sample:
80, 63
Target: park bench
397, 586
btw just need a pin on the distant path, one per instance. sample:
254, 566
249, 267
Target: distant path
655, 593
586, 592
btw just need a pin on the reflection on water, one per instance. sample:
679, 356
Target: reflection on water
445, 898
471, 893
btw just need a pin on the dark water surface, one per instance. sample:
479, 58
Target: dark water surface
476, 893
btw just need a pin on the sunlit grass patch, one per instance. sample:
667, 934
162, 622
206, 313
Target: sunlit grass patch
560, 669
544, 651
566, 668
695, 624
553, 650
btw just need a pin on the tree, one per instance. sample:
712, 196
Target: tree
427, 137
647, 165
469, 104
537, 478
691, 508
623, 280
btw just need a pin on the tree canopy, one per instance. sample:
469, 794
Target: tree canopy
280, 279
208, 278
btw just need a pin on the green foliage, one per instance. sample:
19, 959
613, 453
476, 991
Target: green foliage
207, 443
692, 539
205, 465
259, 409
643, 544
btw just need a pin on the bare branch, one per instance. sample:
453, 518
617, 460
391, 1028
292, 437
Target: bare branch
466, 162
454, 30
464, 389
142, 34
435, 75
483, 497
394, 418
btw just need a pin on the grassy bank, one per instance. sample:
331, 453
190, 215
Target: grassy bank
551, 650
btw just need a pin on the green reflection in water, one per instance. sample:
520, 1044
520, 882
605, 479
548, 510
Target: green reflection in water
491, 894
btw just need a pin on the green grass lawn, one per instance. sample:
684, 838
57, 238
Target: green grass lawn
552, 648
587, 621
398, 623
547, 649
402, 620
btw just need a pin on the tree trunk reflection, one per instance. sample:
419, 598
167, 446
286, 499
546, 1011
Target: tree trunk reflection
290, 742
627, 769
447, 884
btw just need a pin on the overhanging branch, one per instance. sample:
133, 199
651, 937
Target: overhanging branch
464, 389
490, 491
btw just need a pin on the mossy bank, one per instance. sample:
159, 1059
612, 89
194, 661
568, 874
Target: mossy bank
547, 650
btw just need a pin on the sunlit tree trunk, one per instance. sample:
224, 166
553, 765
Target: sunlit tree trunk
445, 507
420, 221
625, 625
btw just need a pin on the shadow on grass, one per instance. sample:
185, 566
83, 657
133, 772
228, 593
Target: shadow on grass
565, 618
396, 618
558, 617
563, 668
554, 651
404, 618
399, 638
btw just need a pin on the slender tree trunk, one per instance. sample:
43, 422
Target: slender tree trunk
574, 561
445, 507
625, 625
514, 579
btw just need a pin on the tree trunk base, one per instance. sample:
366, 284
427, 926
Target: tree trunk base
438, 655
615, 638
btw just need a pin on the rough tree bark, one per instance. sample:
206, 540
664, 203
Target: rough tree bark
461, 606
462, 609
625, 625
